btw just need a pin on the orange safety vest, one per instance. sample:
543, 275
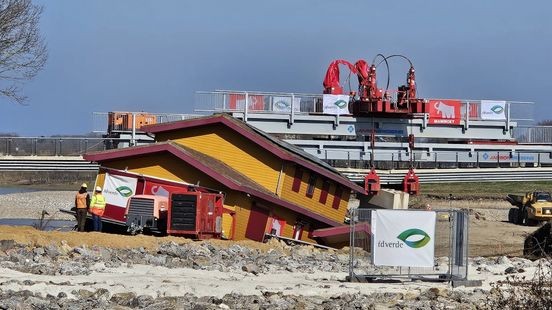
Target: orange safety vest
97, 205
80, 200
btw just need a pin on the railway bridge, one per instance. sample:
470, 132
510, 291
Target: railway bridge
470, 147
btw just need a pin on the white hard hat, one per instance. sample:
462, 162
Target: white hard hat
84, 185
98, 189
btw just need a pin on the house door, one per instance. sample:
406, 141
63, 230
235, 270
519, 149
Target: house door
256, 224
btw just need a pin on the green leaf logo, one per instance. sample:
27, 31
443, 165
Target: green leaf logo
125, 191
282, 104
414, 232
340, 103
497, 109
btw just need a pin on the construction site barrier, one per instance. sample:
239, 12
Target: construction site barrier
451, 249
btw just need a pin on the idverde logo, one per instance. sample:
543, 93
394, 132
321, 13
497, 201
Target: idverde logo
125, 191
282, 104
414, 232
341, 103
497, 109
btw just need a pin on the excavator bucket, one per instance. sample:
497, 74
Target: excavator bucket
411, 183
372, 183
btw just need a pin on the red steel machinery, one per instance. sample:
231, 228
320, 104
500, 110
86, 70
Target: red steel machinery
194, 214
374, 101
371, 100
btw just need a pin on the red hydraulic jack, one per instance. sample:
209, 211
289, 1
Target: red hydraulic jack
372, 182
411, 183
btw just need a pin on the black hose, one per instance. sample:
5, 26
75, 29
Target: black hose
387, 64
388, 72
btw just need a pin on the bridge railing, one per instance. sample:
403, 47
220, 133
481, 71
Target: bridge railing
299, 103
53, 146
533, 134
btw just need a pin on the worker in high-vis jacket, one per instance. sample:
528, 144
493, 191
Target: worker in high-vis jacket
82, 203
97, 208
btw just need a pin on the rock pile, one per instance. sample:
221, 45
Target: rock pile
63, 260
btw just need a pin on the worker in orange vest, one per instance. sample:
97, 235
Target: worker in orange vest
82, 203
97, 208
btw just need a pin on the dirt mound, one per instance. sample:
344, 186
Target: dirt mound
31, 236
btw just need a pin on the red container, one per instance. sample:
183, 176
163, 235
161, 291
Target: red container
195, 214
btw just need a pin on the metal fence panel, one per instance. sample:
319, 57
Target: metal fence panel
451, 249
533, 134
38, 146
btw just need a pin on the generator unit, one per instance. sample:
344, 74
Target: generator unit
195, 214
192, 214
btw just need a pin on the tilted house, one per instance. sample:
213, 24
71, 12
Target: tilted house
271, 186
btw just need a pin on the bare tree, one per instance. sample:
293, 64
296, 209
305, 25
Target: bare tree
22, 49
545, 123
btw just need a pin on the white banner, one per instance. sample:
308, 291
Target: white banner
403, 238
117, 189
283, 104
491, 109
335, 104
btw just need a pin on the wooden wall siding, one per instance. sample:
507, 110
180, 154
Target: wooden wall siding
100, 180
224, 144
290, 218
242, 205
166, 166
227, 221
313, 203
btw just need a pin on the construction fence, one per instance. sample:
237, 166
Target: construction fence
50, 146
451, 249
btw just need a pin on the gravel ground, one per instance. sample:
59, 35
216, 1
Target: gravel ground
31, 204
206, 275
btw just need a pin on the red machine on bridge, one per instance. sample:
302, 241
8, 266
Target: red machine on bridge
374, 101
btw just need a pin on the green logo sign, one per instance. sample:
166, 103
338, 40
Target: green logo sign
282, 104
341, 103
125, 191
414, 232
497, 109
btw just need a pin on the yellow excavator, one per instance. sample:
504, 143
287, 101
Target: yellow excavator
531, 209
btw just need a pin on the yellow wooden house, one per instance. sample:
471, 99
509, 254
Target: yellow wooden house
271, 186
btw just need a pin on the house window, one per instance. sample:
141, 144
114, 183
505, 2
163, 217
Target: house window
312, 183
324, 193
297, 180
337, 197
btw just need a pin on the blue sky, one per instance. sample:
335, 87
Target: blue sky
153, 55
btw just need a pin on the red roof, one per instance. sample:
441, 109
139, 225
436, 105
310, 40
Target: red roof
277, 147
214, 168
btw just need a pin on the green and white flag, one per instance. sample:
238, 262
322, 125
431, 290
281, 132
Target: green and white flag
493, 109
403, 238
283, 104
335, 104
117, 189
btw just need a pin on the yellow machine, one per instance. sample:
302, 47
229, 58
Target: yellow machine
531, 208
